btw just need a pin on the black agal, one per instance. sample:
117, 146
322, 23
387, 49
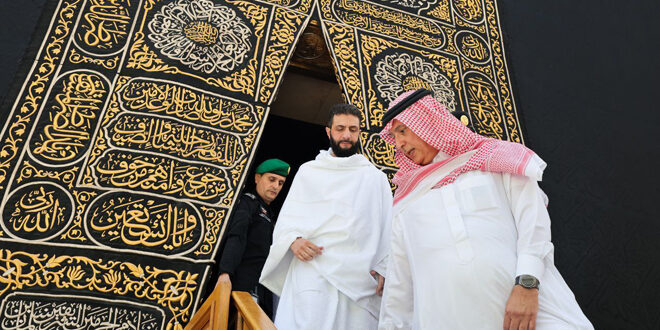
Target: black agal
405, 103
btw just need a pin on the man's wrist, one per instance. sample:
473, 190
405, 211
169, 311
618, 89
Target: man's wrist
294, 241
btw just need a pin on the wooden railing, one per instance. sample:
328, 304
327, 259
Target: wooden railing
214, 313
250, 315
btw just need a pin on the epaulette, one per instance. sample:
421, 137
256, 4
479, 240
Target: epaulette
251, 196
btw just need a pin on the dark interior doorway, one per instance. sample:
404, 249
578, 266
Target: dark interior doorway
295, 128
292, 141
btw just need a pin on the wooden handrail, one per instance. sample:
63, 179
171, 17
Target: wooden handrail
250, 315
214, 313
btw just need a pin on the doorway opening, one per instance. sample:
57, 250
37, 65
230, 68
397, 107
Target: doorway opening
295, 127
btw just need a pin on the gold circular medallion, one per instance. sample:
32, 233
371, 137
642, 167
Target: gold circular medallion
465, 120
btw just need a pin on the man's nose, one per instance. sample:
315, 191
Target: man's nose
399, 142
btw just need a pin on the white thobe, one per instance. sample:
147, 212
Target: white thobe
456, 251
343, 205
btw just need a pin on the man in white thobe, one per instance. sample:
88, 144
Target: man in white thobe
331, 238
470, 233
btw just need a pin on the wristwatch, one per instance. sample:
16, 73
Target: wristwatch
527, 281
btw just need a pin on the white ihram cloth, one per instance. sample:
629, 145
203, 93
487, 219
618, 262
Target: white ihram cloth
343, 205
456, 251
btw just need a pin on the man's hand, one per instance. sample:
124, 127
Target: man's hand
224, 277
521, 309
305, 250
381, 282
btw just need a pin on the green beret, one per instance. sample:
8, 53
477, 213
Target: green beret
275, 166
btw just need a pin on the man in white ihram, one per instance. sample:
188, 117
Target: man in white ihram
470, 231
332, 237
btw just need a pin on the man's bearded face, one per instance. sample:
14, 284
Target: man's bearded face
344, 148
344, 135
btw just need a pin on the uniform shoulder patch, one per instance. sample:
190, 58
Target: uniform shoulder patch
264, 214
250, 195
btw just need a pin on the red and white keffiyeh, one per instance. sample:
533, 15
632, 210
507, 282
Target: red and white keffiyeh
434, 124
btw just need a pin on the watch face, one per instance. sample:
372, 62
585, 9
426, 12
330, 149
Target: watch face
528, 282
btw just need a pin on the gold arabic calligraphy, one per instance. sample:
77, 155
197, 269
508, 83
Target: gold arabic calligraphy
187, 104
174, 138
106, 24
161, 175
144, 222
75, 111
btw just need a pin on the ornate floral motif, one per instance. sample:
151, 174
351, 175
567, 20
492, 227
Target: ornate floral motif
400, 72
202, 35
441, 11
174, 290
75, 231
28, 171
35, 90
214, 223
287, 25
502, 76
109, 63
345, 49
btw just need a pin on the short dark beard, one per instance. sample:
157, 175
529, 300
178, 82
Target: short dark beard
341, 152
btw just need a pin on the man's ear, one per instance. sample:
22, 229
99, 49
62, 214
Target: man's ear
257, 176
327, 131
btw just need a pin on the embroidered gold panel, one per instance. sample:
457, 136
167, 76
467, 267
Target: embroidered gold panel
451, 47
123, 153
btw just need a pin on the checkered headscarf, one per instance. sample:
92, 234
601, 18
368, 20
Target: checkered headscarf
434, 124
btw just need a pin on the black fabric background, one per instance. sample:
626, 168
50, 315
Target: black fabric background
585, 74
586, 77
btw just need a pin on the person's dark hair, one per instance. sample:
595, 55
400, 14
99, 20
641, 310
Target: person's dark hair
343, 109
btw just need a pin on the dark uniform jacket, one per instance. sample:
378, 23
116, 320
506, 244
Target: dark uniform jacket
247, 242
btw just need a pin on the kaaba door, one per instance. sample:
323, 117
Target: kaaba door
294, 130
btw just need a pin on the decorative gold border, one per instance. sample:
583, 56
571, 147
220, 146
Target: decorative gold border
13, 138
171, 289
